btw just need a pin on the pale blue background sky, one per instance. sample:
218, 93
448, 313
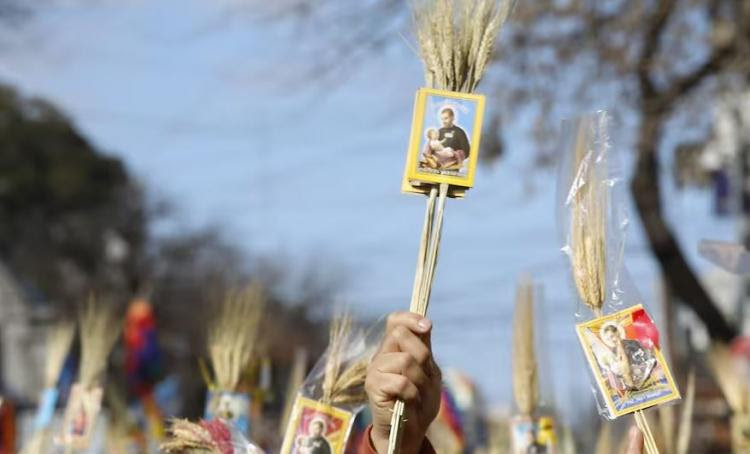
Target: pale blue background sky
196, 100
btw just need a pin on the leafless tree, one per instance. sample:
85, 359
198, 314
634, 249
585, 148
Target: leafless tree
656, 64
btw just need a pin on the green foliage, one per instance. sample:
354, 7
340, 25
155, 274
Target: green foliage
60, 201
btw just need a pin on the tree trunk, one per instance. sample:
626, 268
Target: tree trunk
646, 192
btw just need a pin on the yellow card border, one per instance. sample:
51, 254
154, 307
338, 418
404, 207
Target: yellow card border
594, 366
410, 173
303, 402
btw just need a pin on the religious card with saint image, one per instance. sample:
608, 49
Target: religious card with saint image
444, 142
316, 428
80, 416
625, 358
230, 407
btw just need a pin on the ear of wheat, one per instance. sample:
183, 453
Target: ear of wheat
587, 201
456, 38
525, 374
99, 329
233, 335
343, 384
188, 437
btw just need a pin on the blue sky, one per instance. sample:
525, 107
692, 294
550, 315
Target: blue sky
198, 103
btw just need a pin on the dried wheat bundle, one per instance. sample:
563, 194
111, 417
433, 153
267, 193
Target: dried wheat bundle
588, 200
674, 437
189, 437
525, 374
685, 428
59, 339
39, 443
233, 335
343, 385
296, 378
734, 386
205, 437
99, 327
455, 39
666, 428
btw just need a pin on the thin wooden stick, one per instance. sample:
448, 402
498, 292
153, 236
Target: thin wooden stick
422, 255
432, 254
648, 437
650, 434
646, 424
639, 423
429, 247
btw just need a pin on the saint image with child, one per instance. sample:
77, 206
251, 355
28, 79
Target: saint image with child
446, 147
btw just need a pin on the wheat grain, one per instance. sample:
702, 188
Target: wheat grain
525, 374
233, 334
456, 39
99, 327
587, 225
343, 383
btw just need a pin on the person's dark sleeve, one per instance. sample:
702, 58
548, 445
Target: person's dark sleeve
464, 141
366, 446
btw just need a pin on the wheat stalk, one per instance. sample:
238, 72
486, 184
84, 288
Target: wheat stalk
677, 442
734, 387
59, 338
686, 418
525, 374
99, 328
456, 38
296, 378
233, 335
587, 201
666, 427
349, 387
343, 385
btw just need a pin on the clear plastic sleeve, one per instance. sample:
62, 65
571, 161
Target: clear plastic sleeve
598, 165
321, 418
619, 339
357, 346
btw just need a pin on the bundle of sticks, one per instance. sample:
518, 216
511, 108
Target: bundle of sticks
57, 344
